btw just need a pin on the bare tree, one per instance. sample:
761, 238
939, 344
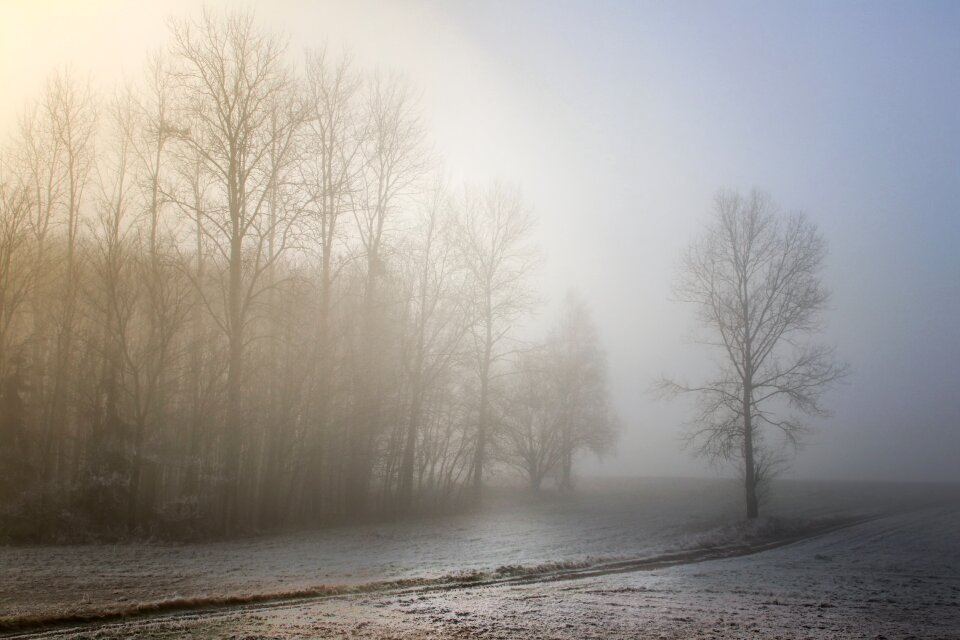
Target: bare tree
394, 160
69, 116
494, 233
112, 292
329, 180
436, 326
15, 284
15, 258
141, 291
162, 306
239, 114
529, 437
586, 420
556, 402
754, 278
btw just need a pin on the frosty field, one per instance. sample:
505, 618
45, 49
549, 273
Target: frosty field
897, 565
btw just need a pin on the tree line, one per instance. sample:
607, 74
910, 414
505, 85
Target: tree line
236, 294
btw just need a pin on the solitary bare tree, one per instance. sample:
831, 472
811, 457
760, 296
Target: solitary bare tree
754, 277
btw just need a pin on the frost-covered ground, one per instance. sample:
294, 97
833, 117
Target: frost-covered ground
896, 571
893, 577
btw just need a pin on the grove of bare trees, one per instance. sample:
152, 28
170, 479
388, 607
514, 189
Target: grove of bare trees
236, 295
754, 279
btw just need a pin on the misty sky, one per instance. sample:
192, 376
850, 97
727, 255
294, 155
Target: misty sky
620, 121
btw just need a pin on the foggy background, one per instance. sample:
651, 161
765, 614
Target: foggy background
620, 121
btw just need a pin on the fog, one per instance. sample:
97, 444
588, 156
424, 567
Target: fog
507, 318
619, 122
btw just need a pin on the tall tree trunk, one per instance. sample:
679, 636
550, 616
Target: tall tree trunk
536, 479
749, 472
314, 489
566, 469
405, 497
192, 484
133, 491
364, 429
232, 435
483, 416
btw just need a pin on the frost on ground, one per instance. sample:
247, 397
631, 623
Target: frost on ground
867, 572
893, 577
